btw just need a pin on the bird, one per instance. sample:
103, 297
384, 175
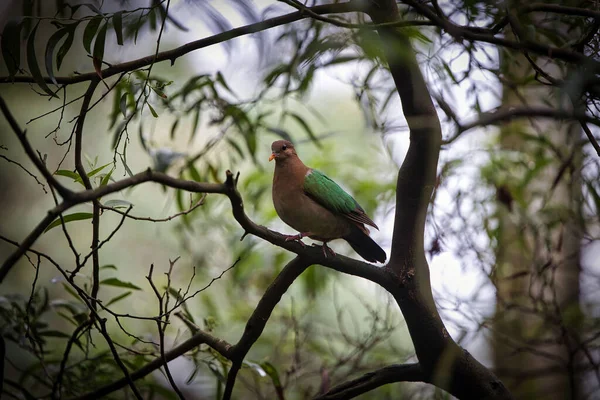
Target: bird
317, 207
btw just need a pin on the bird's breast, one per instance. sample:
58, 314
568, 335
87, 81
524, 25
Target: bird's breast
305, 215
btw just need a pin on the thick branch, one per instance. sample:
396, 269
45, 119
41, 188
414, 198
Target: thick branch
443, 362
199, 338
254, 328
339, 263
373, 380
258, 320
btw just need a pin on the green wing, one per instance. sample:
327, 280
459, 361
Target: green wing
331, 196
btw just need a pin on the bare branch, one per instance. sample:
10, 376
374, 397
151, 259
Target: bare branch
375, 379
64, 192
258, 320
18, 164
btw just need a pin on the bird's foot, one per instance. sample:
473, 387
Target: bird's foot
327, 249
296, 238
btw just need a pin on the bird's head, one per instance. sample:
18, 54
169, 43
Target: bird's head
282, 150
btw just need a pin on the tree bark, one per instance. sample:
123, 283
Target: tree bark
539, 235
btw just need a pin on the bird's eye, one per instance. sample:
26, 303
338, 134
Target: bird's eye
283, 147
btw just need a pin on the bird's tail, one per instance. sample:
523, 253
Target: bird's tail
365, 246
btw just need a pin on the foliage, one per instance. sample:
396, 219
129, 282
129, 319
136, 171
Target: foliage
102, 326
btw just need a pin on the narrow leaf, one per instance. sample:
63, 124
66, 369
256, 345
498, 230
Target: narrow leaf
69, 218
118, 283
106, 178
117, 298
118, 203
109, 266
49, 55
32, 62
304, 125
64, 49
124, 161
123, 104
70, 174
98, 54
195, 125
154, 114
72, 292
118, 26
174, 128
95, 171
595, 196
89, 32
11, 46
52, 333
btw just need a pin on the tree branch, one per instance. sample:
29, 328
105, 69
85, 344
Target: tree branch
443, 362
35, 159
373, 380
339, 263
260, 316
172, 55
505, 115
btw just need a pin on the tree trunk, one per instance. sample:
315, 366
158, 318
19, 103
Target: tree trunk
539, 235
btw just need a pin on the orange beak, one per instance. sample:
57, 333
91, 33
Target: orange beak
272, 157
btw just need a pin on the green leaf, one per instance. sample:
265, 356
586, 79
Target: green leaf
34, 67
69, 174
52, 333
223, 83
69, 218
123, 104
49, 55
64, 49
95, 171
195, 125
117, 298
72, 292
154, 114
304, 125
124, 161
595, 196
118, 26
174, 128
11, 46
118, 204
106, 178
118, 283
98, 54
109, 266
273, 374
90, 31
194, 173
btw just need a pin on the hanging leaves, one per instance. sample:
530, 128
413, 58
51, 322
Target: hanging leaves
34, 67
62, 52
11, 46
98, 54
89, 32
69, 218
118, 27
49, 55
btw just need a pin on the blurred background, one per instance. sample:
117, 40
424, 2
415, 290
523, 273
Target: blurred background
511, 236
